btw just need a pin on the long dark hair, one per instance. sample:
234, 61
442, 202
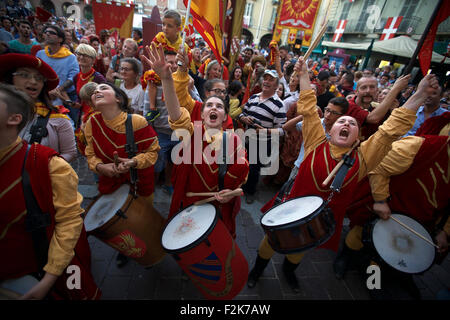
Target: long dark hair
124, 101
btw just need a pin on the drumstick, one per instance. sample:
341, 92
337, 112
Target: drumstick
314, 43
316, 40
116, 158
333, 172
200, 194
236, 192
413, 231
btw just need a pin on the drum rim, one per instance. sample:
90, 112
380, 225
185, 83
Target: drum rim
196, 242
86, 212
296, 222
308, 247
372, 244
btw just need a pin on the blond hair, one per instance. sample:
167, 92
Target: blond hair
87, 91
87, 50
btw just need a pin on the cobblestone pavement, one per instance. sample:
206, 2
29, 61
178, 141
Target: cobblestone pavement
166, 280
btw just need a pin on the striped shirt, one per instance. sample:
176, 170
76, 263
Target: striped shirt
269, 113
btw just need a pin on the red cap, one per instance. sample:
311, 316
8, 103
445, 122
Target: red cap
12, 61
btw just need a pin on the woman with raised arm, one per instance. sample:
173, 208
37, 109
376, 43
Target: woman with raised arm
322, 156
190, 174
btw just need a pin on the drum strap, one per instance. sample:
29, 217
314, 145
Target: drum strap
39, 129
131, 149
342, 172
223, 167
36, 221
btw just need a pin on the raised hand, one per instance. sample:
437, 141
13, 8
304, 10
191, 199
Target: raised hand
182, 60
301, 70
158, 62
428, 84
402, 82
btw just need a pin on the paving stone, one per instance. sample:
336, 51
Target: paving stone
190, 291
168, 289
115, 287
442, 274
336, 289
311, 288
357, 286
126, 271
266, 289
143, 284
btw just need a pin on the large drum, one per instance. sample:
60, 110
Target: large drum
132, 226
205, 250
13, 289
398, 247
298, 224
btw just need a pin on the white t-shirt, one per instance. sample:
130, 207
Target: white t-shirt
136, 96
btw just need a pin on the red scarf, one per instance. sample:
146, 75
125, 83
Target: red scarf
82, 79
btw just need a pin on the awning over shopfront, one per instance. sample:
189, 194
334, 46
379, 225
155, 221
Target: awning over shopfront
402, 46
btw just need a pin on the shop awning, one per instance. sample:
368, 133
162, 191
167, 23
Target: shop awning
402, 46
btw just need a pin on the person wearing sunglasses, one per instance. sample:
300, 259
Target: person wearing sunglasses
65, 64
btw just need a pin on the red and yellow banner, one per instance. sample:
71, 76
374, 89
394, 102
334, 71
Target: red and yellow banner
114, 16
297, 15
208, 21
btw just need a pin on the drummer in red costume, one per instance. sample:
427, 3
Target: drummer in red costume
419, 162
321, 156
203, 176
54, 185
106, 134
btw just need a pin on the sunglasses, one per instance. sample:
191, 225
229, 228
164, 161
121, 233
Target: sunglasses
51, 32
218, 91
333, 112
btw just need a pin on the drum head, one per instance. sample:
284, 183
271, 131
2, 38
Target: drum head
291, 210
105, 208
188, 226
400, 248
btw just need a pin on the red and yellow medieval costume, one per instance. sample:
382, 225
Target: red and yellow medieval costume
54, 184
104, 137
413, 176
204, 176
321, 157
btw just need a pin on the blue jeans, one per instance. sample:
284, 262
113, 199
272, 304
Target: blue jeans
166, 145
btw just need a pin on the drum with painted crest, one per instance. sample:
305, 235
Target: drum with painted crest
203, 247
130, 225
13, 289
298, 224
397, 247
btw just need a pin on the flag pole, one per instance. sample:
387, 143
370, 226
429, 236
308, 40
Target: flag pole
410, 65
186, 21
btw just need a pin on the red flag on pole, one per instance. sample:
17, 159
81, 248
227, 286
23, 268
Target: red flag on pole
115, 15
208, 21
427, 48
42, 15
